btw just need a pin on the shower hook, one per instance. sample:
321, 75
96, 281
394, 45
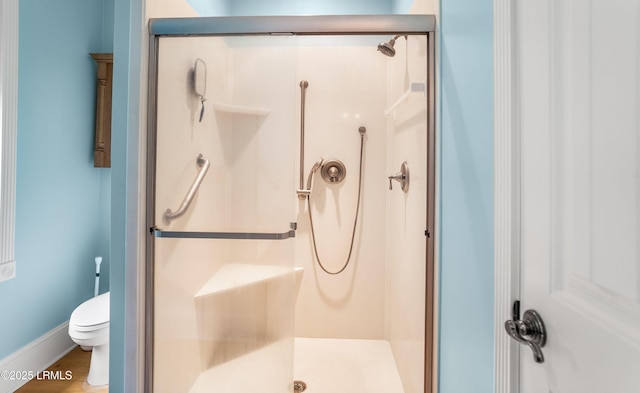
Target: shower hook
401, 177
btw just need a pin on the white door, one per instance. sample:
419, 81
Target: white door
578, 105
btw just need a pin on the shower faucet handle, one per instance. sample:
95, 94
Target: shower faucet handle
397, 177
401, 177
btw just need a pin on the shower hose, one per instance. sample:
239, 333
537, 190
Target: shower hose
355, 220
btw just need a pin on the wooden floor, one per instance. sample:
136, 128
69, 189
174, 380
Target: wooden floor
67, 375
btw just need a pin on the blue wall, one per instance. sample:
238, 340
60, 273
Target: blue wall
319, 7
211, 7
466, 197
108, 10
62, 209
290, 7
401, 6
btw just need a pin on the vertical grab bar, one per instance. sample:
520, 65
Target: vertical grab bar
303, 91
203, 163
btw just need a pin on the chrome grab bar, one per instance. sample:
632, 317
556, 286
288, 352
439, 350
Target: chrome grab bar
204, 164
227, 235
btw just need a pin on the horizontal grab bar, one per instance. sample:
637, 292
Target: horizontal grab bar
226, 235
203, 163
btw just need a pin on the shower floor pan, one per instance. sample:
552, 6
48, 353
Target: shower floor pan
342, 365
325, 365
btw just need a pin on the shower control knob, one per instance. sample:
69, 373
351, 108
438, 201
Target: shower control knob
333, 171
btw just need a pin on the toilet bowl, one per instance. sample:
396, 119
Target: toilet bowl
89, 326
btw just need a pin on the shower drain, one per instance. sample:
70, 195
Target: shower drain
299, 386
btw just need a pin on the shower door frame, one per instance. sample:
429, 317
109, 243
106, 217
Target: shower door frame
293, 25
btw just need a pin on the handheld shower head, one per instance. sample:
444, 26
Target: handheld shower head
304, 193
313, 170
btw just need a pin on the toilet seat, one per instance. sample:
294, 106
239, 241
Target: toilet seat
92, 315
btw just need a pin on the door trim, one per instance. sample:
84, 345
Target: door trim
506, 193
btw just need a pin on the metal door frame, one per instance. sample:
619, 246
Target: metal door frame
295, 25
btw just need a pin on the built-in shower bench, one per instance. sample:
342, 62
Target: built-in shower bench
244, 308
235, 276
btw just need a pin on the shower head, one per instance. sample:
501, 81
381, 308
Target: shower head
362, 130
386, 48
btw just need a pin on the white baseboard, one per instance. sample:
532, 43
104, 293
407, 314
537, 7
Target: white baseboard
34, 357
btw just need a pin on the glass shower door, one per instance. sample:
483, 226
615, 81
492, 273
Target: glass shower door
224, 199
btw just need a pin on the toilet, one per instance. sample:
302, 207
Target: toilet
89, 326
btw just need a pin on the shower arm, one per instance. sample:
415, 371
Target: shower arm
203, 163
302, 192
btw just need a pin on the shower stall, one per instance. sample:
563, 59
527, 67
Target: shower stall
290, 204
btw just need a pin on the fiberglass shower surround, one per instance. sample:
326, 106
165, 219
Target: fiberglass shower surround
232, 262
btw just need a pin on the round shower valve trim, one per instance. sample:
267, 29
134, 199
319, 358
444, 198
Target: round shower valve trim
333, 171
